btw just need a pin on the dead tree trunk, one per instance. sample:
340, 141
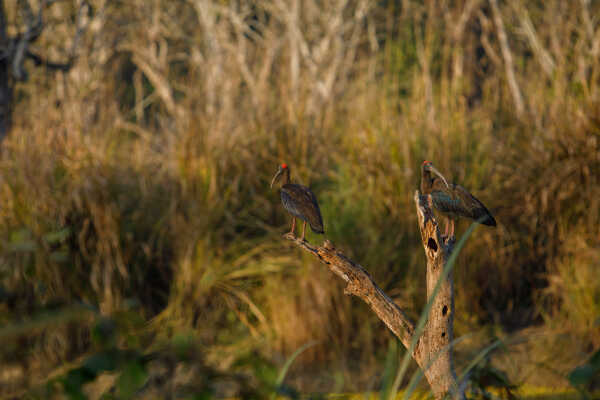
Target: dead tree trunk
438, 333
432, 351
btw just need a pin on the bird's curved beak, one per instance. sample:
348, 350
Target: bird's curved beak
277, 175
432, 169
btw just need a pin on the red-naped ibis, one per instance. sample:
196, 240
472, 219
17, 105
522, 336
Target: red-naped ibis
299, 201
452, 200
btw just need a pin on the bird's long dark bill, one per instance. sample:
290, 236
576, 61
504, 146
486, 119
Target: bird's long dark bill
432, 168
275, 177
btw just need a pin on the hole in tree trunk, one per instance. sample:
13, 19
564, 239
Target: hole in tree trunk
443, 334
432, 244
445, 310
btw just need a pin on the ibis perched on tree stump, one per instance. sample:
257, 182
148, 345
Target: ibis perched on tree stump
299, 201
452, 200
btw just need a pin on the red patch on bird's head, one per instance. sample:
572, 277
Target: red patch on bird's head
426, 162
283, 166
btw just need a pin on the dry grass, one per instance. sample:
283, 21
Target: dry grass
143, 173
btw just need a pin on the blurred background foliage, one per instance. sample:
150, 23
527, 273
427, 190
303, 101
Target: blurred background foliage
135, 186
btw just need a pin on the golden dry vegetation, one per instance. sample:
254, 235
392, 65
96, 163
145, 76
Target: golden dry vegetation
137, 223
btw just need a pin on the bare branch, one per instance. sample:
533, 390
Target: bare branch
18, 58
360, 284
33, 31
543, 57
146, 63
31, 22
464, 18
457, 37
485, 42
508, 60
35, 26
593, 37
57, 66
81, 25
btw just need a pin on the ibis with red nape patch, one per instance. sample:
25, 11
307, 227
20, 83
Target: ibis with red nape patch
299, 201
452, 200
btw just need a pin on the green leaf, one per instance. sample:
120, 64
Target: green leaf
98, 363
584, 374
25, 246
59, 256
183, 345
21, 241
74, 382
595, 360
265, 372
132, 378
103, 333
581, 375
57, 236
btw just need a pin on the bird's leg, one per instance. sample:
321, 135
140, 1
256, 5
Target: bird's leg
452, 228
303, 230
292, 231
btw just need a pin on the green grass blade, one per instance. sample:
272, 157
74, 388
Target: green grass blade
288, 364
416, 378
482, 354
391, 366
290, 360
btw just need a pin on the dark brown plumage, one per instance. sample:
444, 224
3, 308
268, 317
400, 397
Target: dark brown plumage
452, 200
300, 202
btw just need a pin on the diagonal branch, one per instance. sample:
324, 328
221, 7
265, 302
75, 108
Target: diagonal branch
34, 23
360, 284
543, 57
433, 348
35, 26
80, 28
57, 66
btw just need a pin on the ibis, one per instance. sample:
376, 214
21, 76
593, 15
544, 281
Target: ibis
452, 200
299, 201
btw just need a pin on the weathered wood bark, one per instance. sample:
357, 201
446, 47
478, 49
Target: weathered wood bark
434, 344
432, 351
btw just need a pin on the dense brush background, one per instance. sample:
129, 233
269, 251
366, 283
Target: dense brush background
136, 186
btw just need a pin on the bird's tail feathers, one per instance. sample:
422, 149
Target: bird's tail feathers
317, 229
